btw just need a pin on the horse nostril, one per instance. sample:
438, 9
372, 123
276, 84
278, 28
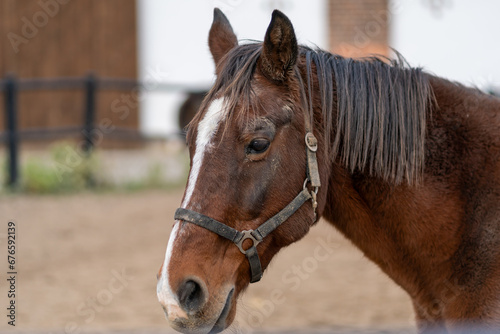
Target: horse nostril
191, 296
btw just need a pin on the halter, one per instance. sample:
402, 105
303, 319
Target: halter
257, 235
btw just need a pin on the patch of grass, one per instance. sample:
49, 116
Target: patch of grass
39, 178
67, 170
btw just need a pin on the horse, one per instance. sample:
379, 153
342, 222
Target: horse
403, 163
188, 109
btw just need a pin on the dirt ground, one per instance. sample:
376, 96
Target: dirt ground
88, 263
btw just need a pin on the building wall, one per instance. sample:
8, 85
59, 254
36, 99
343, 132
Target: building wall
173, 45
358, 28
52, 38
456, 39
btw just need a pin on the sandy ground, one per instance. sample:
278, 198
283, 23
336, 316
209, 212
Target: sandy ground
88, 263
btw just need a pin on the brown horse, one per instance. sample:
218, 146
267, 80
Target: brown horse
405, 164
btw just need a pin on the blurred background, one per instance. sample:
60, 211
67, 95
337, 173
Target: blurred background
94, 96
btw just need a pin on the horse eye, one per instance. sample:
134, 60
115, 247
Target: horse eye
258, 145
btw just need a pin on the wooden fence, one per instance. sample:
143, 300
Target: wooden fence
88, 129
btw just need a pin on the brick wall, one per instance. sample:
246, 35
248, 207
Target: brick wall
358, 28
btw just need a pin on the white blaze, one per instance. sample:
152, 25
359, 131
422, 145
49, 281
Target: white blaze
206, 130
163, 290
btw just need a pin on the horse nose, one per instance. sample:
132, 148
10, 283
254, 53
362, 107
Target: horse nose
192, 295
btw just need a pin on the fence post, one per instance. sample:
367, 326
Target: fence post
11, 127
90, 95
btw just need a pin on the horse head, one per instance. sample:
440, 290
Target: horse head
249, 170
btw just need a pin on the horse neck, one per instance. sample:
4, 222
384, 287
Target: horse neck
394, 224
342, 204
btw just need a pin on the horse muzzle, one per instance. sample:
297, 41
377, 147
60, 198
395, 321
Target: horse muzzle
192, 310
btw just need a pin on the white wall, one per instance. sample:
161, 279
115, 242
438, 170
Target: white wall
173, 44
458, 39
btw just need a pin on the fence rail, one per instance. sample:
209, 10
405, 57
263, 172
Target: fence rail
91, 84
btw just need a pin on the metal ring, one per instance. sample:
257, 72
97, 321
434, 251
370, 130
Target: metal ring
311, 142
305, 186
246, 235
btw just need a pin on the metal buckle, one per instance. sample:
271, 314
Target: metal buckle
313, 193
246, 235
311, 142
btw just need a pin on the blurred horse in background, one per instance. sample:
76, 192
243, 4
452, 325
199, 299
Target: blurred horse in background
189, 108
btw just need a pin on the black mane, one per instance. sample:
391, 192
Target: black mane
379, 108
380, 121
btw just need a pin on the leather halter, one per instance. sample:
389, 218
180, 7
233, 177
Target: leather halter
257, 235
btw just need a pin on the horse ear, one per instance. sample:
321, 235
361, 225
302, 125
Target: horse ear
280, 49
221, 38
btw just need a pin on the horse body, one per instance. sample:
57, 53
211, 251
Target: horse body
428, 215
